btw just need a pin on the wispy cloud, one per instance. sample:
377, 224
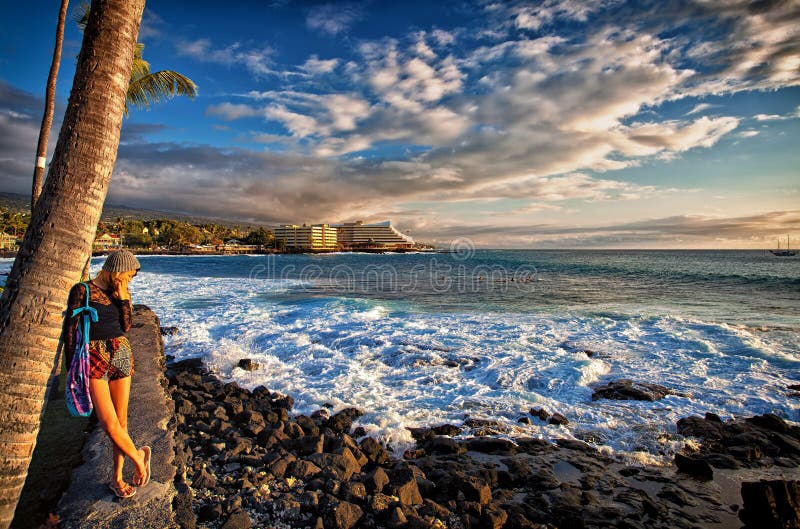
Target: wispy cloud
702, 107
332, 19
256, 60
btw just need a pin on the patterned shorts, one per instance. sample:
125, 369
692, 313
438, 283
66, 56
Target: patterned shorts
110, 359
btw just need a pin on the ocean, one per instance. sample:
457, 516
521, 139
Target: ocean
425, 339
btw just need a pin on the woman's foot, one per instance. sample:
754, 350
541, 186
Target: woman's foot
121, 489
142, 475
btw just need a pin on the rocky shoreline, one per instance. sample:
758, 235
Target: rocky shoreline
243, 460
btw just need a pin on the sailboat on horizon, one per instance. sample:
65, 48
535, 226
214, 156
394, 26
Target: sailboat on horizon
783, 253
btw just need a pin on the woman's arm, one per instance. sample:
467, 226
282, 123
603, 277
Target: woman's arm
125, 314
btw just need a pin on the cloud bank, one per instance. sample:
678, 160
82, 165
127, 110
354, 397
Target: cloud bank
544, 103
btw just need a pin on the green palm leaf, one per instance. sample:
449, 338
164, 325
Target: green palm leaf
156, 87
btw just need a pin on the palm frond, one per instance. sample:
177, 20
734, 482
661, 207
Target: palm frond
157, 87
141, 68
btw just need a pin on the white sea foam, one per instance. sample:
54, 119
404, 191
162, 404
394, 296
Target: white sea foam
415, 368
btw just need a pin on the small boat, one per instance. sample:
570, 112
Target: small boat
783, 253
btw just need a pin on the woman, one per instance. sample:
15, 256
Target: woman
111, 361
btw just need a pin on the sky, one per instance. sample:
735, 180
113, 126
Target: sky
551, 124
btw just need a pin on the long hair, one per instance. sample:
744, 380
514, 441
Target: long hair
118, 281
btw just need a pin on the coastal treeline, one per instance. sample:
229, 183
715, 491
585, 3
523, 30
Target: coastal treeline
174, 234
155, 233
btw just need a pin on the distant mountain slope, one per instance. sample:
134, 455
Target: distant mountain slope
21, 203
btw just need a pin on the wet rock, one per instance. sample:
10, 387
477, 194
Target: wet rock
434, 510
376, 453
421, 434
376, 480
252, 422
238, 520
446, 429
307, 424
309, 444
566, 508
558, 419
396, 518
380, 502
491, 445
675, 494
271, 437
302, 469
209, 512
493, 517
343, 421
293, 430
769, 421
353, 491
343, 465
168, 331
762, 440
626, 389
524, 420
771, 504
697, 467
189, 366
574, 444
403, 484
523, 474
343, 516
280, 466
204, 480
248, 364
475, 489
441, 444
541, 413
483, 427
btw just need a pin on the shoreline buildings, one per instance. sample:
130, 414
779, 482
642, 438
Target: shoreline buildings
305, 237
344, 236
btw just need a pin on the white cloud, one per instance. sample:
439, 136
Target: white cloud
332, 19
701, 107
231, 111
300, 125
315, 65
257, 61
442, 37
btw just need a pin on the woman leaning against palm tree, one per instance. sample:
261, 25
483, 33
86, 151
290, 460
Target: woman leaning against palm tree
111, 361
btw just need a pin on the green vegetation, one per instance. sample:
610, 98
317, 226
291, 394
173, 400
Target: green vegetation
13, 222
177, 235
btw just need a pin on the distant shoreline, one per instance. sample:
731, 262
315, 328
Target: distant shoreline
6, 254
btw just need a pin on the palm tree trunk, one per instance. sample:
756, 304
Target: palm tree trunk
60, 234
49, 107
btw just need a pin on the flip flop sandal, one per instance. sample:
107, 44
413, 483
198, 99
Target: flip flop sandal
147, 456
120, 492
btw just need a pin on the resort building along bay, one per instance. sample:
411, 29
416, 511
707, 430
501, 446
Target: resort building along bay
344, 236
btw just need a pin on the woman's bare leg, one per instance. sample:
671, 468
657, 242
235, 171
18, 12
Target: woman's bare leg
107, 415
120, 392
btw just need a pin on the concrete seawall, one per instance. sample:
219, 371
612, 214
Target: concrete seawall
88, 503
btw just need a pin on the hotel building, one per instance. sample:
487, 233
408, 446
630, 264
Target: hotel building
313, 237
356, 235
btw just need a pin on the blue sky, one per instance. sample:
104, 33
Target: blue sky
597, 123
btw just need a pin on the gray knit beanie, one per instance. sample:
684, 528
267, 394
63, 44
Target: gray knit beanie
121, 261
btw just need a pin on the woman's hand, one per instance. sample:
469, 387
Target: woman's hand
122, 291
